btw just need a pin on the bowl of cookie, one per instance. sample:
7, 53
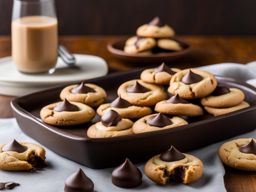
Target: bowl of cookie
153, 42
137, 114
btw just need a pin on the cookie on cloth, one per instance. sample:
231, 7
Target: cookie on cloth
223, 97
21, 156
169, 44
124, 109
111, 125
172, 165
87, 93
157, 122
137, 44
66, 113
222, 111
160, 75
178, 106
140, 93
239, 154
192, 84
155, 29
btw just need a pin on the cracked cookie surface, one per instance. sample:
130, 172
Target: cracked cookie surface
136, 45
30, 158
231, 155
83, 114
140, 93
192, 84
169, 44
87, 93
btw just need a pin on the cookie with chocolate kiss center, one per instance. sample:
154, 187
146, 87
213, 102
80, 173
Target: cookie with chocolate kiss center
120, 103
127, 175
110, 118
249, 148
172, 154
164, 68
137, 88
78, 181
176, 100
14, 146
191, 78
65, 106
156, 22
220, 90
82, 88
159, 120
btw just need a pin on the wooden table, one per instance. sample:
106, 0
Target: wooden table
206, 50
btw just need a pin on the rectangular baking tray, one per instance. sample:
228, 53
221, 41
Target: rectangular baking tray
73, 143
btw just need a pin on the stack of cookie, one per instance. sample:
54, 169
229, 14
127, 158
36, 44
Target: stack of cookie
153, 37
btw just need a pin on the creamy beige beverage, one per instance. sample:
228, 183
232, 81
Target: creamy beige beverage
34, 43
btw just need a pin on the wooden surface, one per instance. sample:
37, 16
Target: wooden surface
83, 17
205, 51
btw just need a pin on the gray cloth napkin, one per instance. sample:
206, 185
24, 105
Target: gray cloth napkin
52, 178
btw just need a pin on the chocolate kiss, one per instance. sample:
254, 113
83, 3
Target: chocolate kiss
127, 175
191, 78
172, 154
82, 88
176, 99
159, 120
110, 118
8, 185
156, 22
14, 146
78, 181
220, 90
65, 106
164, 68
120, 103
249, 148
137, 88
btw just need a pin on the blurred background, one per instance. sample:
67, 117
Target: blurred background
120, 17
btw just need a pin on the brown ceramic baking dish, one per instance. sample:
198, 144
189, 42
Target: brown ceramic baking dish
73, 143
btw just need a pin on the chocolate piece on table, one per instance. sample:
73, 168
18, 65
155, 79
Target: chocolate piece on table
249, 148
127, 175
8, 185
159, 120
120, 103
156, 22
110, 118
176, 100
220, 90
78, 181
191, 78
172, 154
65, 106
14, 146
164, 68
82, 88
137, 88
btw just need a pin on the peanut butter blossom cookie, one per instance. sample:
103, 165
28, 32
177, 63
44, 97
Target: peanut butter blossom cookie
127, 175
172, 165
88, 93
139, 45
111, 125
21, 156
155, 29
124, 108
192, 84
66, 113
239, 154
157, 122
78, 182
178, 106
140, 93
160, 75
169, 44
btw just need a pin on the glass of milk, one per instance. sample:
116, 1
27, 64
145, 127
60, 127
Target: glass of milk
34, 35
